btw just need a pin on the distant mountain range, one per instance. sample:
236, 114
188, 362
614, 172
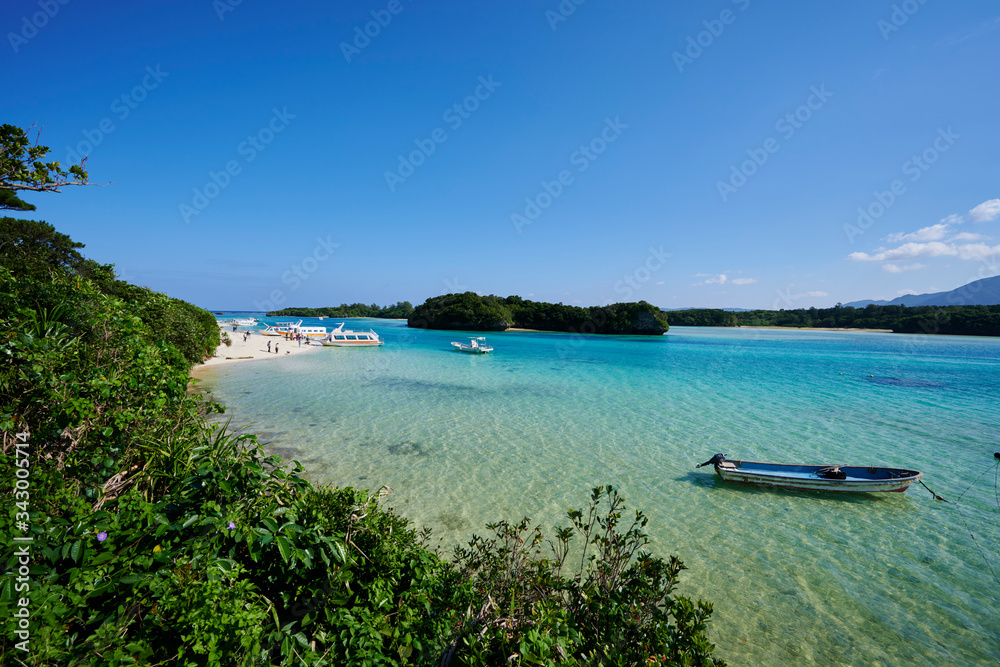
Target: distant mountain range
985, 292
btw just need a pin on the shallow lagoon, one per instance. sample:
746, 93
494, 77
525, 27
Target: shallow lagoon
795, 577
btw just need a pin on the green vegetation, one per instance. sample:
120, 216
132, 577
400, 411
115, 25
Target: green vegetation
21, 168
160, 538
471, 312
955, 320
399, 311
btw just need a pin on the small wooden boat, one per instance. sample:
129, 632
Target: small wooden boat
863, 479
473, 346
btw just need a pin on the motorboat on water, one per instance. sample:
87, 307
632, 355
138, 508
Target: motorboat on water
814, 477
474, 346
340, 337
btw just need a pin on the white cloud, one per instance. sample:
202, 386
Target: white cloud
893, 268
932, 233
907, 251
967, 236
713, 279
978, 251
986, 212
744, 281
660, 282
953, 219
816, 294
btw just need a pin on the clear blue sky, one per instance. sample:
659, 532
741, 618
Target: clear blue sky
726, 147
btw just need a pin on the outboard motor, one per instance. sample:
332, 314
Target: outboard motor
715, 460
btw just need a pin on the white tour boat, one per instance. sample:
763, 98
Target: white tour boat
474, 346
240, 322
279, 328
307, 332
341, 338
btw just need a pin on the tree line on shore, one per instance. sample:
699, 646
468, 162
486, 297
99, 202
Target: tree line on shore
954, 320
469, 311
398, 311
151, 534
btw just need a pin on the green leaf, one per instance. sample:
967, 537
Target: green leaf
283, 547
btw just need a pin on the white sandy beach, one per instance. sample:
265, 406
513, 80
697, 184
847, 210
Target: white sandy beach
255, 348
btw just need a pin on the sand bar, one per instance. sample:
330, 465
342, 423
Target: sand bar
254, 349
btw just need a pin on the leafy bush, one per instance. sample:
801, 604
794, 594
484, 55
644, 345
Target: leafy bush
615, 607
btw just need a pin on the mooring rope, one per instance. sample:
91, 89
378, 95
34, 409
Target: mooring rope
932, 492
996, 492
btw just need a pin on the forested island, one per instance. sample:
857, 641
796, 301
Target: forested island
399, 311
469, 311
140, 531
954, 320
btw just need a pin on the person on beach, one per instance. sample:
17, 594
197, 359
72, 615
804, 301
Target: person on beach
268, 346
276, 348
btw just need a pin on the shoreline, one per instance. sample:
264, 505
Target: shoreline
772, 326
254, 349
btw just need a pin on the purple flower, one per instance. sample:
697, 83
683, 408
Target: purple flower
232, 526
101, 536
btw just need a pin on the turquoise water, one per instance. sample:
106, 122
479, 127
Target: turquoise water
795, 577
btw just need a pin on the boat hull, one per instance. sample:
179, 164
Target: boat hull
858, 479
352, 343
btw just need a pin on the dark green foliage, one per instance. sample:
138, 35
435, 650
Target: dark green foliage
466, 311
702, 317
35, 250
21, 168
10, 201
192, 330
956, 320
604, 601
471, 312
400, 310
